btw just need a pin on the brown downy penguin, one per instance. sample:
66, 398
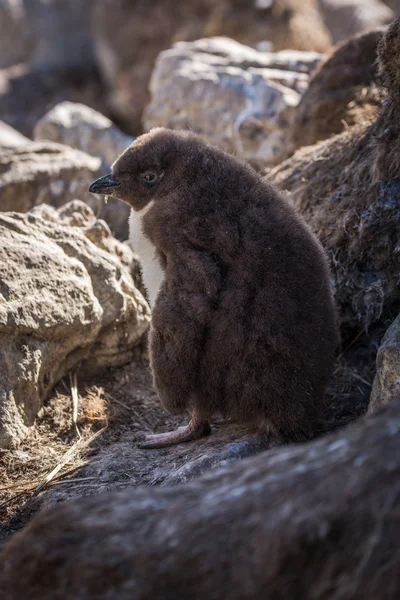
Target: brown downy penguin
243, 321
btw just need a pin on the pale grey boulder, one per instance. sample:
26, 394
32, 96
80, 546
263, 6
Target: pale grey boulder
10, 137
86, 129
44, 172
234, 96
83, 128
67, 298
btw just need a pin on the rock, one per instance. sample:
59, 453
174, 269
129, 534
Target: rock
126, 60
387, 379
344, 91
182, 463
10, 137
282, 23
67, 298
394, 5
115, 462
235, 97
275, 525
43, 172
345, 18
85, 129
45, 34
348, 189
46, 56
15, 45
61, 33
27, 94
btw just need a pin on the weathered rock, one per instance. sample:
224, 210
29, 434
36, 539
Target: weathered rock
182, 463
394, 5
46, 34
144, 30
15, 45
61, 33
348, 189
344, 91
282, 23
275, 525
387, 379
26, 94
238, 98
345, 18
43, 172
114, 461
83, 128
67, 297
10, 137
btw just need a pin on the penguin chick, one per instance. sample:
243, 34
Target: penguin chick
243, 321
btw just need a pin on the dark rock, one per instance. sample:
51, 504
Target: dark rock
347, 188
310, 521
345, 18
344, 91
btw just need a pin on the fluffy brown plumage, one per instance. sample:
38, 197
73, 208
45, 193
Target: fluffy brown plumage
244, 322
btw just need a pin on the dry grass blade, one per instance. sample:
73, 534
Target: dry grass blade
21, 494
362, 379
109, 397
66, 458
75, 400
69, 481
21, 484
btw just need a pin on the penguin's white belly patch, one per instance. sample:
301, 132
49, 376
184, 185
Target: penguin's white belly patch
151, 270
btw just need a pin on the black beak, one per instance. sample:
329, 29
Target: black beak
104, 185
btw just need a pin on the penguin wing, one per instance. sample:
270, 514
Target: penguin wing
180, 318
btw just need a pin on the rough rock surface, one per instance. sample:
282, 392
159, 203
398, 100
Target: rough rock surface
179, 464
344, 91
66, 296
46, 34
10, 137
238, 98
125, 400
26, 94
348, 190
46, 56
387, 379
82, 127
15, 45
43, 172
145, 29
394, 5
275, 525
85, 129
345, 18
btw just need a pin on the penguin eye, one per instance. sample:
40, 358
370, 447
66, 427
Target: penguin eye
149, 179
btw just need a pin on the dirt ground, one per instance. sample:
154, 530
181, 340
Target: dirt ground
113, 411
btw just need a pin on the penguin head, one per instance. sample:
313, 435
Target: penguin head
147, 170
